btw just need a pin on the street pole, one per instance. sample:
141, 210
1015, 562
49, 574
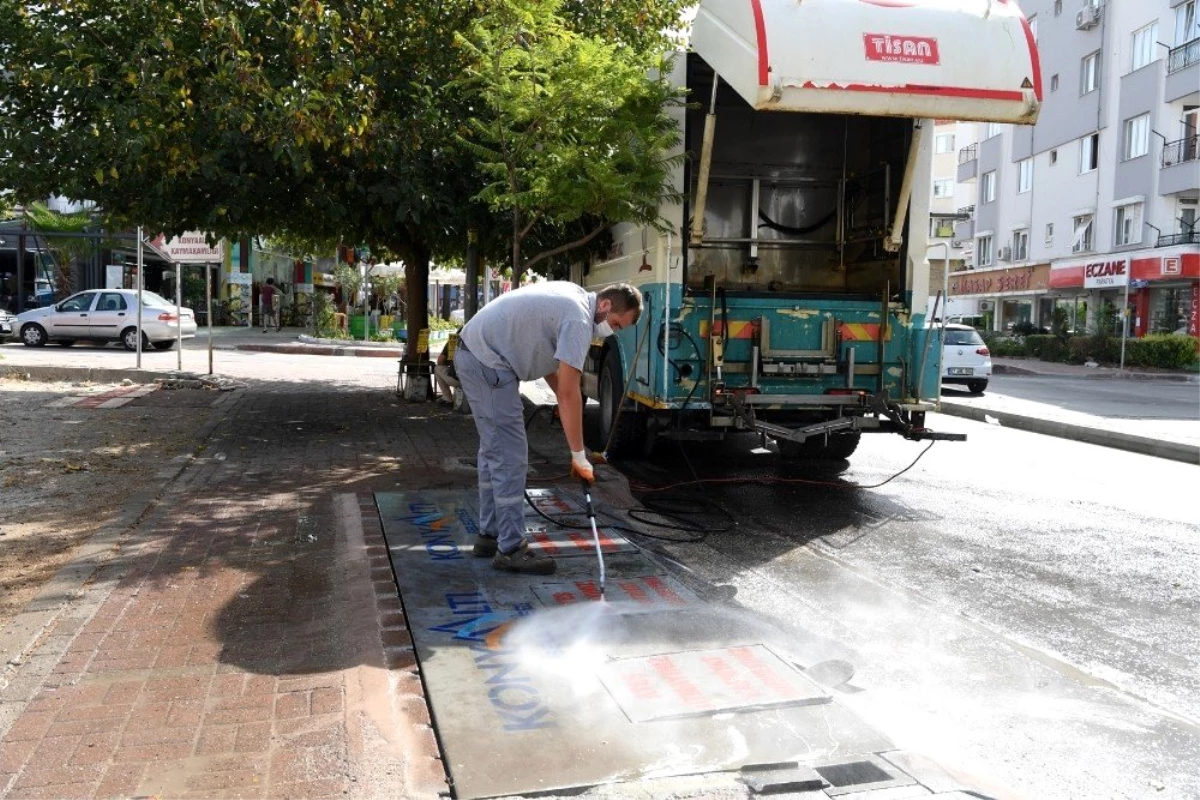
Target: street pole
179, 317
139, 291
208, 300
1125, 319
472, 298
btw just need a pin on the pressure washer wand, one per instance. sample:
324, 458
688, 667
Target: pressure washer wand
591, 512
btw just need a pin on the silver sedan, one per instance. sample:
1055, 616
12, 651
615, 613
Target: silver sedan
107, 315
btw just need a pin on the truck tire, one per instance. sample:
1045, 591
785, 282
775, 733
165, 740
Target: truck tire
840, 446
630, 423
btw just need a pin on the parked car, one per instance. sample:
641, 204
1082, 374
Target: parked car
966, 358
107, 315
8, 322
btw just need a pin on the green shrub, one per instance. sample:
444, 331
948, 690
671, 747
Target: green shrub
1005, 347
1101, 349
1047, 347
1166, 350
1024, 328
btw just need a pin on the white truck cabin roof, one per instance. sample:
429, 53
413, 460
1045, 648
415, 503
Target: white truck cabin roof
933, 59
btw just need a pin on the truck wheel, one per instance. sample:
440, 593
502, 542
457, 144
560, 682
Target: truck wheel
840, 446
631, 423
976, 387
33, 335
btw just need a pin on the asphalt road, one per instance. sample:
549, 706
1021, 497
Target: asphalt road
1019, 607
1105, 397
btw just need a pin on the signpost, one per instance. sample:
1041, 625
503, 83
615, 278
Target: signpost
1110, 274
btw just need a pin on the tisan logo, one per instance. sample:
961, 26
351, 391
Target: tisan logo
901, 49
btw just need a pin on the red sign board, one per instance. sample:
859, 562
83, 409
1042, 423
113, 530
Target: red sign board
1194, 317
901, 49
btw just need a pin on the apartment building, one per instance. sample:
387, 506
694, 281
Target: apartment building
1097, 203
949, 202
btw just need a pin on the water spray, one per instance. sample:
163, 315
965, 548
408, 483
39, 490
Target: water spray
591, 513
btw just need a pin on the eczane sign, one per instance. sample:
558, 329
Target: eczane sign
1106, 274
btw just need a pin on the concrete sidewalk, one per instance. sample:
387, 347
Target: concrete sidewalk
1173, 439
239, 632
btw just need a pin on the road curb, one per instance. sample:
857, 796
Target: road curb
94, 374
1175, 451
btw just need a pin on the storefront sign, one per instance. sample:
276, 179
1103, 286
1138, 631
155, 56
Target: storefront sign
1106, 274
1194, 316
1172, 266
193, 248
1023, 279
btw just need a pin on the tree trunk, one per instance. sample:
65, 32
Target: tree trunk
416, 280
518, 268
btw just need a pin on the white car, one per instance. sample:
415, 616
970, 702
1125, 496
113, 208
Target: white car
107, 315
7, 323
965, 358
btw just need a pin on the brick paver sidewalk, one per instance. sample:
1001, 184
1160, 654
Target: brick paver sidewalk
246, 640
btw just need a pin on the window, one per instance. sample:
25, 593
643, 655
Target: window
1058, 8
1020, 245
1089, 73
993, 129
1128, 229
1024, 175
988, 190
80, 302
1137, 136
943, 187
1054, 82
1049, 232
984, 251
1082, 241
940, 228
1144, 44
1053, 157
943, 143
111, 301
1089, 153
1187, 25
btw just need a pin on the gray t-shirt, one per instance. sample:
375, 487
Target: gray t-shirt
531, 329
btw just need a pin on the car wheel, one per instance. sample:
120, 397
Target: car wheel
65, 342
129, 339
976, 387
838, 447
167, 345
33, 335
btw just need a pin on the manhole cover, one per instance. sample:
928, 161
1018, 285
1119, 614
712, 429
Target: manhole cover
706, 682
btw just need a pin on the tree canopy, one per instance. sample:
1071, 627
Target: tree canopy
327, 120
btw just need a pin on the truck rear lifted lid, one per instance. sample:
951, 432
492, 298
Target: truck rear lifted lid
935, 59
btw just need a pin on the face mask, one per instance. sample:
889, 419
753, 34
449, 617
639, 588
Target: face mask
602, 330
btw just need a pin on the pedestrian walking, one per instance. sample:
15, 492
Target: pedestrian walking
269, 296
539, 331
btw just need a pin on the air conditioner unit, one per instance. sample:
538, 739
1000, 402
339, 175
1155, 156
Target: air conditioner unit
956, 244
1005, 254
985, 305
1087, 18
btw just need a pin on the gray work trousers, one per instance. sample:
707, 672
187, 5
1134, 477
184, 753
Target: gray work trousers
503, 461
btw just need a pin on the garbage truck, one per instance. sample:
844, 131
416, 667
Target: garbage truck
786, 292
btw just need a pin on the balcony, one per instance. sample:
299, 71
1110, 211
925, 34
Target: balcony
1179, 173
968, 163
1183, 71
1167, 240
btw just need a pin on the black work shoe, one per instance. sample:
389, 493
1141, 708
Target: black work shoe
524, 560
485, 546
